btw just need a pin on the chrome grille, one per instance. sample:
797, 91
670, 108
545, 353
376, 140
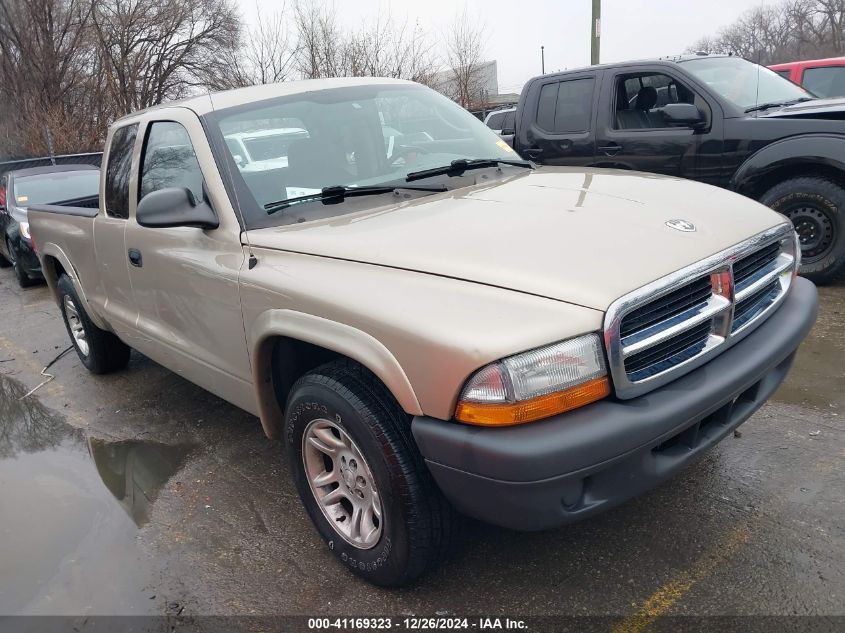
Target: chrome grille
671, 326
666, 307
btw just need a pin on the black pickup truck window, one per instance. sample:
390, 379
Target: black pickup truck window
169, 160
640, 99
118, 171
565, 106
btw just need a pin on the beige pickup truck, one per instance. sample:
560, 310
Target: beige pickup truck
433, 326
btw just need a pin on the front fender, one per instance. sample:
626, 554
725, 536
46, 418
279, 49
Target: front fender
53, 250
331, 335
807, 149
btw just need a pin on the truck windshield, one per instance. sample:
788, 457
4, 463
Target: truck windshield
56, 187
344, 137
736, 80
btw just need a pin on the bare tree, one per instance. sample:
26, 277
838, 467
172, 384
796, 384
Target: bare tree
786, 31
155, 50
266, 54
45, 60
464, 45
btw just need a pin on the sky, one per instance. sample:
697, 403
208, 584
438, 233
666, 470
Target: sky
515, 30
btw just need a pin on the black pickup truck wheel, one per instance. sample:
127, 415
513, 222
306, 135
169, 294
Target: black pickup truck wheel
816, 206
101, 352
361, 478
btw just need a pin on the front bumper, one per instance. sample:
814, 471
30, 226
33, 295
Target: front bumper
571, 466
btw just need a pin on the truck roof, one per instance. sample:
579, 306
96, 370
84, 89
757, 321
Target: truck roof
668, 59
210, 101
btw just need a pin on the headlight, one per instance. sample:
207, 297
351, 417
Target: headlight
536, 384
25, 230
796, 251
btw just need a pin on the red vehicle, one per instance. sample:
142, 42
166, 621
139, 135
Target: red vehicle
822, 77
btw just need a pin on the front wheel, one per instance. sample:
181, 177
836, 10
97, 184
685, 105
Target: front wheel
101, 352
816, 207
361, 478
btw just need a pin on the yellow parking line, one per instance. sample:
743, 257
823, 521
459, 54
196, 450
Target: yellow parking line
658, 603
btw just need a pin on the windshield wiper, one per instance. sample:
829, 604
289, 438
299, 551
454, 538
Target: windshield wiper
459, 166
338, 193
776, 104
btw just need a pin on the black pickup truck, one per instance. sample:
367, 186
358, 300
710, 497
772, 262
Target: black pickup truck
717, 119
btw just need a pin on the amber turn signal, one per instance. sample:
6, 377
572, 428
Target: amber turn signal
511, 413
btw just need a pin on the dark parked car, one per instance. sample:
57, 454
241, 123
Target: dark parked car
73, 185
717, 119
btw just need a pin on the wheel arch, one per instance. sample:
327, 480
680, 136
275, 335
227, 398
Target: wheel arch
806, 155
285, 344
54, 263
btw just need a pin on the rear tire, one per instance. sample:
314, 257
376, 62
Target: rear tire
816, 207
22, 278
101, 352
374, 463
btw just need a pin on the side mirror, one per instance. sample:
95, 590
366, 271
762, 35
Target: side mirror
686, 114
507, 131
175, 206
239, 160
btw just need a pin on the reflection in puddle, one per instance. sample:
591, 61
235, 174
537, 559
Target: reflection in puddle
135, 471
66, 546
26, 426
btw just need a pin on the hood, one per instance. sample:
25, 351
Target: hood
815, 109
581, 236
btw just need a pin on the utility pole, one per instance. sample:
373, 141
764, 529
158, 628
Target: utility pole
595, 33
542, 60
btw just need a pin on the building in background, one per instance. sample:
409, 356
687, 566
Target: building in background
476, 88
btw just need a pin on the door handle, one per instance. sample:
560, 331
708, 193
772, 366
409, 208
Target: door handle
612, 149
532, 152
135, 257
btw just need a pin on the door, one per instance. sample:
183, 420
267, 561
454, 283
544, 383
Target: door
185, 279
561, 131
112, 296
632, 132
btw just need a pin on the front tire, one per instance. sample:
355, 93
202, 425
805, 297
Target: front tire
101, 352
362, 479
816, 207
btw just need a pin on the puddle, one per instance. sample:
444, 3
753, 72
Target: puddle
818, 374
71, 509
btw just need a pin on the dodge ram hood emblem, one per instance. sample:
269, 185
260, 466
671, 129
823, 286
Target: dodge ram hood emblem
681, 225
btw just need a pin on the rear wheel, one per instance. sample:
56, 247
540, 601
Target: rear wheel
101, 352
816, 207
24, 280
361, 477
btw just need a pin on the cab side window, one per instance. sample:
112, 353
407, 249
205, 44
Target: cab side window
565, 106
641, 97
827, 81
118, 171
169, 160
495, 121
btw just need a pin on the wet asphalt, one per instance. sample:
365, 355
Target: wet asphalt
140, 493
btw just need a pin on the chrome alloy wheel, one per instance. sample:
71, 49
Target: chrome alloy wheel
342, 483
77, 330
